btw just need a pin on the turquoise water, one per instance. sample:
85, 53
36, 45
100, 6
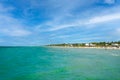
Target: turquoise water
45, 63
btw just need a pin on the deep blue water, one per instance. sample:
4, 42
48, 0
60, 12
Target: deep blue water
45, 63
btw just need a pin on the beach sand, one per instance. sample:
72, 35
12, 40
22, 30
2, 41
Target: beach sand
114, 48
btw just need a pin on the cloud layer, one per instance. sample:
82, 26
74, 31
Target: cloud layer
54, 21
9, 25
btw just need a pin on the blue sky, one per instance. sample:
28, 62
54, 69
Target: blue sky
40, 22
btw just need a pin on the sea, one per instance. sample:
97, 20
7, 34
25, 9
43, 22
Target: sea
53, 63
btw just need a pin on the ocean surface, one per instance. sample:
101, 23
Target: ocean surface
47, 63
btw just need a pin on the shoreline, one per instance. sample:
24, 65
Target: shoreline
113, 48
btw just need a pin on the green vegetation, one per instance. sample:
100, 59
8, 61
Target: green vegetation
92, 44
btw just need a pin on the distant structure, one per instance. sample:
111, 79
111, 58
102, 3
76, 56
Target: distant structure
89, 45
115, 45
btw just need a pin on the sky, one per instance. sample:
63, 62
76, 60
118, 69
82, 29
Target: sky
41, 22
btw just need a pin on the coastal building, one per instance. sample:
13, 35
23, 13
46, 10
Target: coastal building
87, 44
115, 45
90, 45
71, 45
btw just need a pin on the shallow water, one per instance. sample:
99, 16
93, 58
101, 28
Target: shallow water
45, 63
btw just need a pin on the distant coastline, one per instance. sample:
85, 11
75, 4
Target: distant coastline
97, 45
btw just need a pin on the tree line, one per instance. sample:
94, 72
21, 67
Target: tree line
91, 44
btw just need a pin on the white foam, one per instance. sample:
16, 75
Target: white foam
115, 55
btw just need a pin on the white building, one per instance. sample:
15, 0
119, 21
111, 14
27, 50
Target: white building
115, 45
89, 45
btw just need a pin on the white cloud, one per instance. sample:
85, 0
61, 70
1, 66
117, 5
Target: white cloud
103, 19
60, 11
11, 26
92, 21
110, 1
15, 32
4, 9
60, 27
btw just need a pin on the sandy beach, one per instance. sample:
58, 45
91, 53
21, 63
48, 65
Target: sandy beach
113, 48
